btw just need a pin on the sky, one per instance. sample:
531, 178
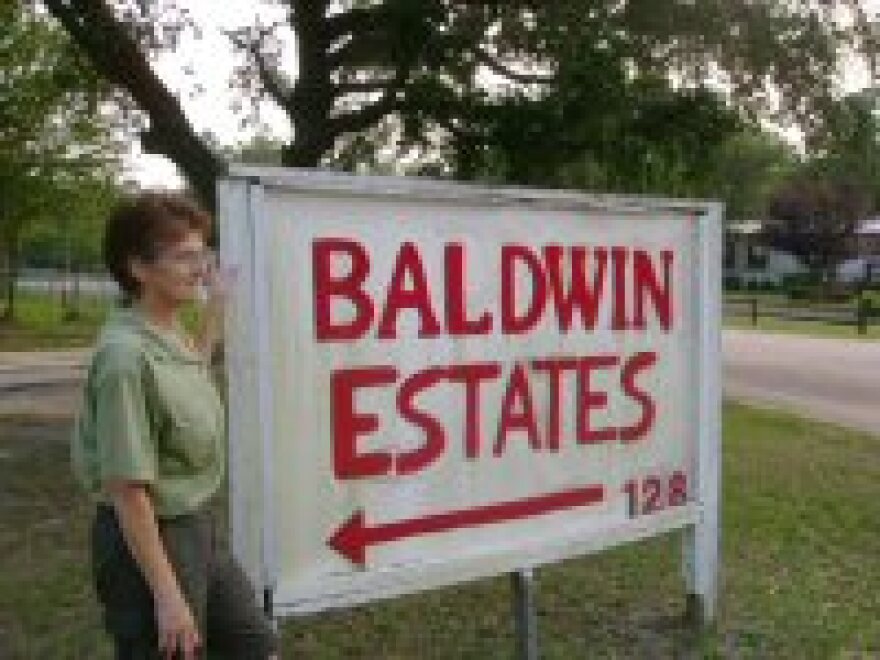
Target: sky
212, 58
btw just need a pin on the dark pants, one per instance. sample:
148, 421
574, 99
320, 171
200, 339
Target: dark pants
217, 590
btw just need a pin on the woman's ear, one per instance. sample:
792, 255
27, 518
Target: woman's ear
137, 267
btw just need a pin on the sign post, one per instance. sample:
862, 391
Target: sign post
431, 383
525, 614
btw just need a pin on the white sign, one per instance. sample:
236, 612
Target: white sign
433, 382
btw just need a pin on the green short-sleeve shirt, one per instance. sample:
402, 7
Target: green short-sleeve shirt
150, 413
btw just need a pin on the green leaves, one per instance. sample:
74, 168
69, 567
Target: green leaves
56, 146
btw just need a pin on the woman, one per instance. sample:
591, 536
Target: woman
149, 446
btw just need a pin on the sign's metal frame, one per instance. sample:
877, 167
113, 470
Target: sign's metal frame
243, 243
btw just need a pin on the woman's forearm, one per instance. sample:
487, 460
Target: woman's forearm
137, 519
218, 283
209, 333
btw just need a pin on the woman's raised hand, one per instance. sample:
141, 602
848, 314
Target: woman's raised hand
217, 284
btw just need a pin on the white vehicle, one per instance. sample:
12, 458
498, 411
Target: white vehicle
859, 269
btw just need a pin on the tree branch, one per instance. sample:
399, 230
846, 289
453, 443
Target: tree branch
363, 86
271, 80
368, 49
118, 57
252, 42
494, 65
359, 120
357, 21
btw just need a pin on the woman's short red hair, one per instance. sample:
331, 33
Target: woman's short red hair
141, 225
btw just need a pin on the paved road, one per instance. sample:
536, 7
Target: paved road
828, 379
28, 369
44, 382
835, 380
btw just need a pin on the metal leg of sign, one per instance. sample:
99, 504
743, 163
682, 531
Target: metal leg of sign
701, 580
701, 548
267, 609
525, 614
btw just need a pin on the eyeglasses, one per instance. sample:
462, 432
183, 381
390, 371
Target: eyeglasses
188, 259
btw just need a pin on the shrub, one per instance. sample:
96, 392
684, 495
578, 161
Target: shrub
800, 292
801, 279
732, 283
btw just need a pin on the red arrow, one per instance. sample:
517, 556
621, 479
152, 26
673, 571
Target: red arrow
351, 540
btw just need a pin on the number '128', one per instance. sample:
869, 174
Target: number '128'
652, 493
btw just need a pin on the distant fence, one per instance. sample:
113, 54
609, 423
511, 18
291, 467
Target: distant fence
860, 314
94, 284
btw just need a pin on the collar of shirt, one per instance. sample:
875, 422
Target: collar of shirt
169, 344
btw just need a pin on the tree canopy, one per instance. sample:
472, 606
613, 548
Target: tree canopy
850, 148
426, 73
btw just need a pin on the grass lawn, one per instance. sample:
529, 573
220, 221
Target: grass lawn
809, 328
801, 555
39, 323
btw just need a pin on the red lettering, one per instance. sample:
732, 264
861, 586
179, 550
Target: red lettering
517, 410
517, 393
457, 322
619, 257
646, 285
472, 375
555, 367
589, 399
511, 324
349, 287
577, 277
633, 367
435, 438
348, 424
580, 294
400, 297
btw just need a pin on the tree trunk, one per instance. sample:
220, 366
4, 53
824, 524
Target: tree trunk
71, 285
311, 101
11, 279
